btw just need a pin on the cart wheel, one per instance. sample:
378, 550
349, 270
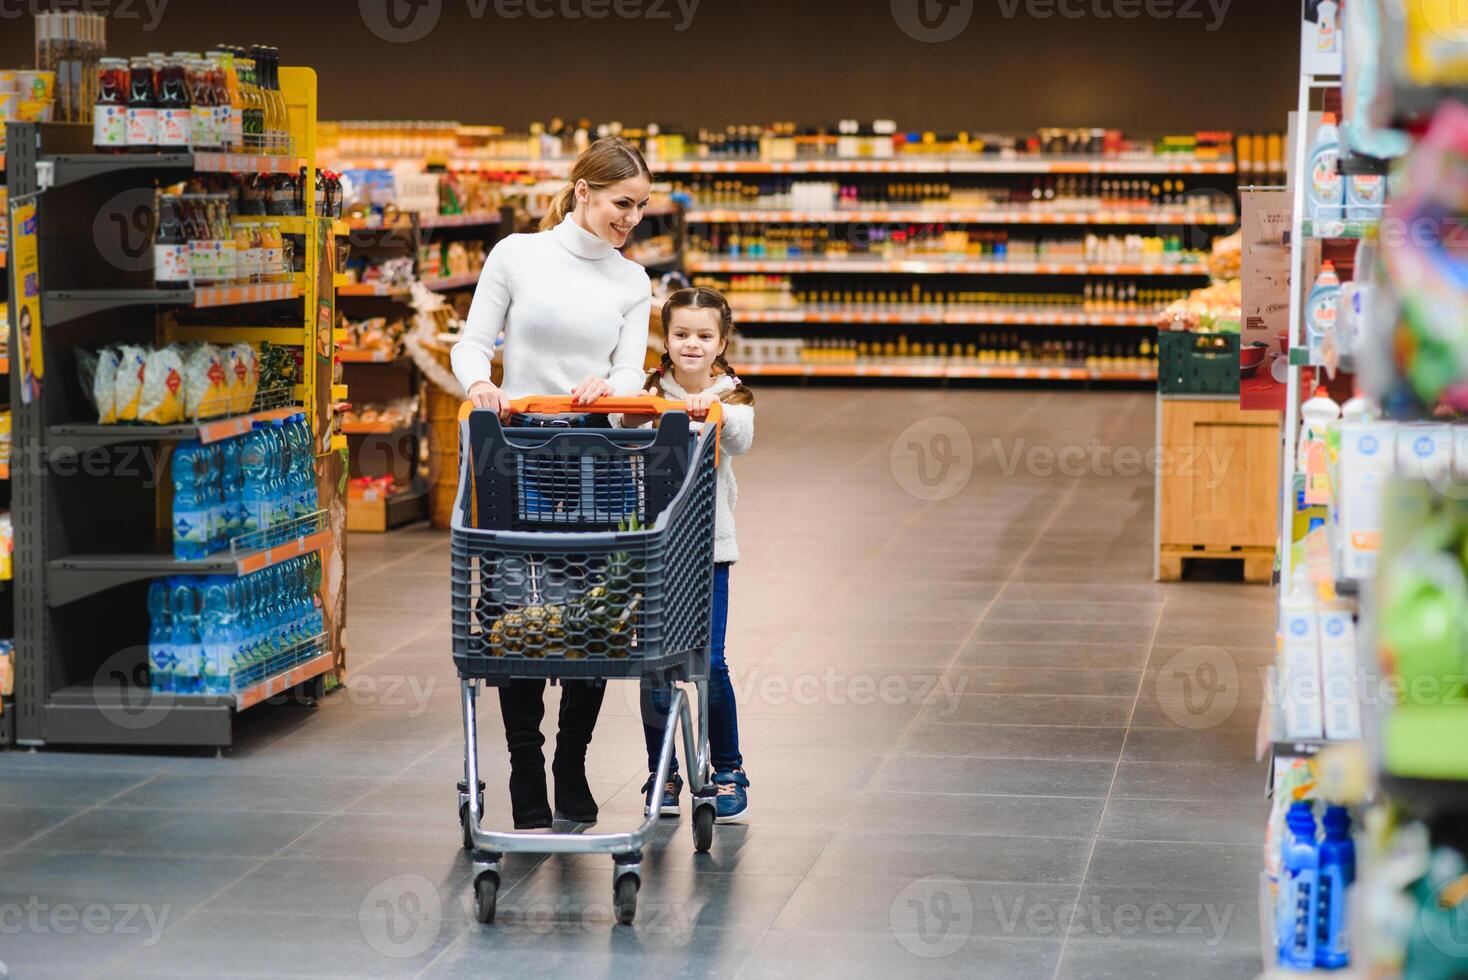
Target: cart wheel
703, 828
486, 893
625, 898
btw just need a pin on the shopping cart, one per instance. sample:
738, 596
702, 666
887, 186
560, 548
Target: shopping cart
584, 553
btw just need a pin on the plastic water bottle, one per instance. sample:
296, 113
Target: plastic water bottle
305, 465
214, 494
232, 483
255, 473
186, 643
1298, 885
285, 508
216, 626
313, 593
1337, 875
161, 662
249, 615
191, 513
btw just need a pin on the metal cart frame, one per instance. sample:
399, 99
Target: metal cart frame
676, 495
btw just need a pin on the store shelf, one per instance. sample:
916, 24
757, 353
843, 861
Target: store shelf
655, 260
353, 356
929, 165
927, 315
446, 283
77, 576
1013, 372
374, 289
59, 306
80, 437
376, 428
941, 266
72, 167
938, 215
458, 220
1339, 229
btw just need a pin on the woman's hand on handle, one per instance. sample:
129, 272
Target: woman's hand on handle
484, 394
590, 389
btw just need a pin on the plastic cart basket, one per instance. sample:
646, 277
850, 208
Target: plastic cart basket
584, 553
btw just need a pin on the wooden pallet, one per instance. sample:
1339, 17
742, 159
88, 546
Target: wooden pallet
1258, 562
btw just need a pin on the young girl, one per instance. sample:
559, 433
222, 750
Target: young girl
697, 324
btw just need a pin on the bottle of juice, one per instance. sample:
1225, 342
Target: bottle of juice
252, 116
109, 114
170, 248
272, 252
175, 110
222, 99
142, 106
205, 125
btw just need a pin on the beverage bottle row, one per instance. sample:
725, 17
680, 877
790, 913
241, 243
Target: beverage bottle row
1063, 193
771, 292
213, 634
197, 243
1137, 353
235, 487
228, 99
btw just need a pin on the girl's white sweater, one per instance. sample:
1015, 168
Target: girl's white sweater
570, 306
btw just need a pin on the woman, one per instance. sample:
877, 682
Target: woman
574, 314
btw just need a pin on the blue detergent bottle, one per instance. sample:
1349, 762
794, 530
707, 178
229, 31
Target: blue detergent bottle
192, 517
1337, 875
187, 647
216, 627
161, 662
1297, 907
255, 470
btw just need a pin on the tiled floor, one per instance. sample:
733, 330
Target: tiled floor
969, 717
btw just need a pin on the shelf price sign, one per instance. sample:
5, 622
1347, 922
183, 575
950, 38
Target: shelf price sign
25, 287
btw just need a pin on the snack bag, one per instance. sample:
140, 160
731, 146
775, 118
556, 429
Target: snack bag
242, 370
104, 382
162, 401
206, 388
128, 387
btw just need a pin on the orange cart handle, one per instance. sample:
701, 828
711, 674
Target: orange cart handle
627, 405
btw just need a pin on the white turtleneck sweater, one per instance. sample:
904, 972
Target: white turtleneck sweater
570, 306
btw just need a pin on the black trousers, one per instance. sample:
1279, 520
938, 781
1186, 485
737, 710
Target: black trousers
522, 706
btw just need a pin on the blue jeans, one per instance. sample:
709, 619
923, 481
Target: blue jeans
723, 715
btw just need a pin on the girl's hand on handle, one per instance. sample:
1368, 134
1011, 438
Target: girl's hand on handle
636, 421
698, 404
484, 394
590, 389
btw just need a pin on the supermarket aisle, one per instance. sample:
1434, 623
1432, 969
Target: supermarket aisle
981, 742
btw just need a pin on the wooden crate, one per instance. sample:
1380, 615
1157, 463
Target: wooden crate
1217, 485
366, 512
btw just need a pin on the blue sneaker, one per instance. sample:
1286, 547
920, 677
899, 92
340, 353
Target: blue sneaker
732, 802
671, 789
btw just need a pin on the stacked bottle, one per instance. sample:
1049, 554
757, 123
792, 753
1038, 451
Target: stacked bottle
239, 486
213, 634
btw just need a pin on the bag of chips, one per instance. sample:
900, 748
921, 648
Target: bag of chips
242, 369
206, 389
128, 383
162, 401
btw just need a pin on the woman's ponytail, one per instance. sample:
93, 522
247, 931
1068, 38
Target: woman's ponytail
561, 205
609, 160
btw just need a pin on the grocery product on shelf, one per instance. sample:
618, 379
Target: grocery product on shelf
174, 383
376, 335
1320, 311
68, 45
1325, 192
218, 634
386, 415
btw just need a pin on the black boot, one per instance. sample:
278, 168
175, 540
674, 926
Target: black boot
522, 705
580, 705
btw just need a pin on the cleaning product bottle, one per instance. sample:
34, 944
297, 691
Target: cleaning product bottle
1365, 196
1298, 881
1318, 412
1325, 194
1352, 300
1327, 28
1320, 311
1337, 875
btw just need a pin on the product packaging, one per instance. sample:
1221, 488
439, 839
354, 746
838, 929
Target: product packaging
1300, 678
1338, 674
1367, 450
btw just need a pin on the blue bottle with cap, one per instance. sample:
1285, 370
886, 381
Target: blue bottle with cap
1297, 908
1337, 875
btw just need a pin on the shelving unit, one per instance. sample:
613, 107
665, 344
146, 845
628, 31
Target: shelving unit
88, 542
7, 587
